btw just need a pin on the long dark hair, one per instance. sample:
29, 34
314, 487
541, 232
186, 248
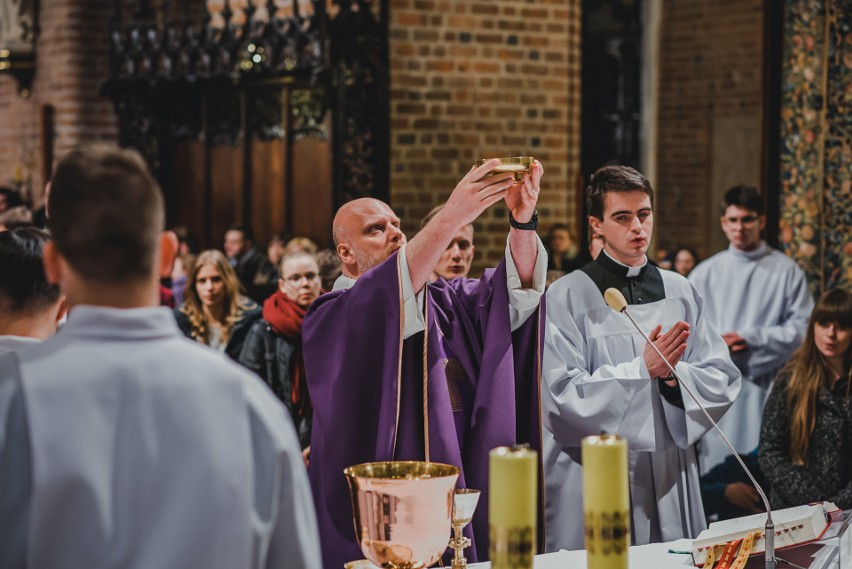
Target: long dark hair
808, 370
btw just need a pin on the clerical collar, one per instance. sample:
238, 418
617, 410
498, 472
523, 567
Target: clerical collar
760, 251
639, 285
620, 268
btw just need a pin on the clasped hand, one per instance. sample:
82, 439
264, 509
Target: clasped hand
672, 344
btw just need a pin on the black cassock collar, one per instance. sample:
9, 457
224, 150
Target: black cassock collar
644, 288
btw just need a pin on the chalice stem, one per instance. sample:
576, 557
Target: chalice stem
459, 543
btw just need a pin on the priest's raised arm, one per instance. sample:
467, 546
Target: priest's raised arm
402, 369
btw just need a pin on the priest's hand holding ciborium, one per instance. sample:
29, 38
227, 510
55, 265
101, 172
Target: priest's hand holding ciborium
402, 511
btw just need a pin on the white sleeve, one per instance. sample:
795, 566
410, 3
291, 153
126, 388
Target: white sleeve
577, 401
412, 303
524, 302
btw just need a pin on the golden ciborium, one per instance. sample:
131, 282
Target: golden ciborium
517, 165
464, 504
402, 511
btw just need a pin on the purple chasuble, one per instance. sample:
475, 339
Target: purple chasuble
368, 397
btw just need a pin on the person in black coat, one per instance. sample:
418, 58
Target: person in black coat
273, 348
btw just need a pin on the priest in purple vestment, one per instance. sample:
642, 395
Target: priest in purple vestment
366, 343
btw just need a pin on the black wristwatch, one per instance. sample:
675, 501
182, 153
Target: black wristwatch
531, 225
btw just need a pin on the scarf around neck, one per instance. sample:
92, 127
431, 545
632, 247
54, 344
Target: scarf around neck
285, 318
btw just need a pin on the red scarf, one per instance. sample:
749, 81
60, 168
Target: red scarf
285, 317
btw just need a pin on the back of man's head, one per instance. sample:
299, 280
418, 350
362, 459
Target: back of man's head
247, 231
745, 197
10, 198
23, 285
432, 213
106, 214
614, 179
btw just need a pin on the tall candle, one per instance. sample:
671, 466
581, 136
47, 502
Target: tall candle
512, 506
606, 501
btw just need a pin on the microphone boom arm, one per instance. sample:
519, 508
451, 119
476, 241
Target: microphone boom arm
769, 529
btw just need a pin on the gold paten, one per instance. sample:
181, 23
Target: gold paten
517, 165
402, 511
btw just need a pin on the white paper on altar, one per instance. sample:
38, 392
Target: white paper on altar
820, 555
653, 556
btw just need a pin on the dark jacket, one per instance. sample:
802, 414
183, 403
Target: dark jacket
270, 356
827, 472
238, 333
714, 482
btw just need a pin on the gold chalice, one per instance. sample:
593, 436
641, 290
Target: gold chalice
402, 511
517, 165
464, 504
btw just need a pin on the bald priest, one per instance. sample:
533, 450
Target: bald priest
367, 341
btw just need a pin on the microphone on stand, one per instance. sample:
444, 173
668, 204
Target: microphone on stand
615, 300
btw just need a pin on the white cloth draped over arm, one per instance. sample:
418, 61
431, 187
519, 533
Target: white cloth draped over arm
522, 302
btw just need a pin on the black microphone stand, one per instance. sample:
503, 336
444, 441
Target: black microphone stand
769, 528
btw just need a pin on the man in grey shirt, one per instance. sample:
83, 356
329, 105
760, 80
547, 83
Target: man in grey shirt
122, 444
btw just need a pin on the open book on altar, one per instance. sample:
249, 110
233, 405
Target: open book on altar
793, 526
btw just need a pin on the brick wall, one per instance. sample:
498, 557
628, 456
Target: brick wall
710, 79
473, 79
72, 59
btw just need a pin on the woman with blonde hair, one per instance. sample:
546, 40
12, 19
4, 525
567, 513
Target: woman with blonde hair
806, 436
214, 311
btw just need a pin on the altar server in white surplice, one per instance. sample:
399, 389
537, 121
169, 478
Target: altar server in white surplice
122, 444
599, 374
759, 300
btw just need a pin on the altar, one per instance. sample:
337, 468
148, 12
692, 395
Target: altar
824, 554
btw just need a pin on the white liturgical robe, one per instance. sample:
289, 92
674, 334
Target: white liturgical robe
763, 296
595, 380
123, 444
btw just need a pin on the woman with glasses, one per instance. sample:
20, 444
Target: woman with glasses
214, 311
273, 348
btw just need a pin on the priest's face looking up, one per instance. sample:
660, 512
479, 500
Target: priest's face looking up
300, 280
742, 227
626, 225
366, 233
455, 261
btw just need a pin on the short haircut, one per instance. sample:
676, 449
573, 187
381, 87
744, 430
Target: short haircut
106, 214
23, 284
295, 255
281, 237
13, 197
329, 266
247, 232
432, 214
614, 179
746, 197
